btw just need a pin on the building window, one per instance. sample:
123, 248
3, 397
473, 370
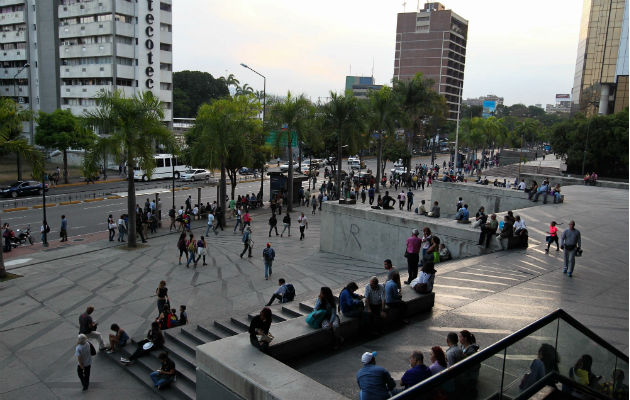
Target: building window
165, 47
165, 7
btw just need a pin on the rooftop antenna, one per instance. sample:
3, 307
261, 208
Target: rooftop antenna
372, 68
404, 4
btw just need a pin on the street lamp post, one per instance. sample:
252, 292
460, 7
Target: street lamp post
27, 65
45, 222
262, 170
459, 102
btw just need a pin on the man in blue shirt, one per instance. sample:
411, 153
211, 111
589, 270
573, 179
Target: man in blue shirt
418, 371
544, 190
374, 382
393, 298
462, 214
63, 232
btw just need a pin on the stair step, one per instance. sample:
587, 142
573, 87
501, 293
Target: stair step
307, 306
184, 352
183, 340
196, 336
212, 332
240, 323
291, 312
182, 388
227, 328
275, 315
184, 370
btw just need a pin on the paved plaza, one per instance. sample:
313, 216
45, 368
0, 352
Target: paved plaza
492, 295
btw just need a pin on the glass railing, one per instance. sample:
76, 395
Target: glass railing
551, 351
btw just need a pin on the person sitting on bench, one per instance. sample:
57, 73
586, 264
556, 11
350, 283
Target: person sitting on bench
463, 215
435, 211
387, 201
423, 284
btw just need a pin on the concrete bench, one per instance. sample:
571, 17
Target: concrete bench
295, 338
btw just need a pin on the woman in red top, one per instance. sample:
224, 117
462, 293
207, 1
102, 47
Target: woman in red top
553, 237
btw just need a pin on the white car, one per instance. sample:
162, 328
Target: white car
352, 160
398, 170
285, 167
195, 175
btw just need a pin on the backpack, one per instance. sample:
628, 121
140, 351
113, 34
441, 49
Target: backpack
286, 219
47, 228
191, 245
171, 212
289, 295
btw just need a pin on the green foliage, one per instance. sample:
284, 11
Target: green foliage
606, 147
193, 88
132, 129
11, 142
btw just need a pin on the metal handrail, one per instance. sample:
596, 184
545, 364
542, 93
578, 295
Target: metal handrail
477, 358
553, 377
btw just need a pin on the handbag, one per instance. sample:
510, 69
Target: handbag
406, 254
315, 318
548, 239
92, 349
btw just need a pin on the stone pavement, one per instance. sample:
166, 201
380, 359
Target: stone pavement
496, 294
40, 311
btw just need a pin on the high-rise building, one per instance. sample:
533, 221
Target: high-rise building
601, 73
360, 85
61, 53
433, 41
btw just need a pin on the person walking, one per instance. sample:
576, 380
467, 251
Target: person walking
111, 227
181, 246
303, 225
84, 360
412, 252
201, 251
571, 243
314, 204
273, 224
287, 224
553, 237
268, 255
409, 200
162, 296
171, 215
211, 224
191, 246
44, 230
247, 241
63, 231
122, 229
139, 228
239, 222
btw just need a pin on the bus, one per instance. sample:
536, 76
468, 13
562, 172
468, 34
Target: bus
165, 164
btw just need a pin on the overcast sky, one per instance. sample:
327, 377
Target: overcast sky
524, 51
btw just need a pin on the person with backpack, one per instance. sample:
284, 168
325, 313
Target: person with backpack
268, 255
181, 246
171, 215
285, 293
191, 246
44, 230
287, 224
247, 241
111, 227
273, 224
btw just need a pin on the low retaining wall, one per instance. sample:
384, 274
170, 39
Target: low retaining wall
374, 235
494, 199
566, 181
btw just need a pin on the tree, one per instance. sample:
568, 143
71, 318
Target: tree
221, 137
289, 116
193, 88
12, 116
343, 117
10, 144
417, 101
61, 130
382, 112
132, 129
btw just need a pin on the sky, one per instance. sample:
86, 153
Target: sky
524, 51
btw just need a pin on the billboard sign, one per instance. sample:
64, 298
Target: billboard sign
563, 96
489, 107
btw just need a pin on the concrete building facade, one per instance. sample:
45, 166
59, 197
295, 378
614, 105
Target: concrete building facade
601, 72
62, 53
479, 100
433, 41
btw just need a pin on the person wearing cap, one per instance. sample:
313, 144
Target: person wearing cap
412, 253
247, 241
268, 255
84, 358
375, 382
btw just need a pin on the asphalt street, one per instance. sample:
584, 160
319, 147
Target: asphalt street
85, 218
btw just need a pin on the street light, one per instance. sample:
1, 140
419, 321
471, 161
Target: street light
264, 89
459, 102
27, 65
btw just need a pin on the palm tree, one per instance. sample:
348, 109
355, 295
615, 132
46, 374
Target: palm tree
230, 81
343, 116
245, 89
291, 115
382, 111
133, 128
19, 146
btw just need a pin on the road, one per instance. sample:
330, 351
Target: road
91, 217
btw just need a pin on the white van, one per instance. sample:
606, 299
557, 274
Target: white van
165, 165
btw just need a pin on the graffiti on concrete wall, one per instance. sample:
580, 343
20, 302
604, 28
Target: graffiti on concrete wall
352, 236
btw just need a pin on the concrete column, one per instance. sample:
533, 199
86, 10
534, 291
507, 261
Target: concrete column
603, 99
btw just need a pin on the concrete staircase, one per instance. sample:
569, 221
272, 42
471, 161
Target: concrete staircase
511, 170
181, 343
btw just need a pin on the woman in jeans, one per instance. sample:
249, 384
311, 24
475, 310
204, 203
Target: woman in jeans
111, 226
326, 301
162, 294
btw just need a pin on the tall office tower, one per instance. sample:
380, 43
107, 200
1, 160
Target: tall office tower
601, 72
433, 41
61, 53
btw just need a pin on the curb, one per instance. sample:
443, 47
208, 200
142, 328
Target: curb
65, 203
91, 200
114, 197
85, 183
15, 209
47, 205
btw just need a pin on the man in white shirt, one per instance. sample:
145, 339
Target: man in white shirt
211, 225
522, 185
519, 224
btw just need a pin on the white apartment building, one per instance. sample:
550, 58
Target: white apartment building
65, 51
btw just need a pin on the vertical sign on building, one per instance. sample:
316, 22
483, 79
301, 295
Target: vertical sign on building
488, 108
149, 44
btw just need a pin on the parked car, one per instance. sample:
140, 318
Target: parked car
285, 167
398, 170
307, 170
246, 171
195, 175
23, 188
